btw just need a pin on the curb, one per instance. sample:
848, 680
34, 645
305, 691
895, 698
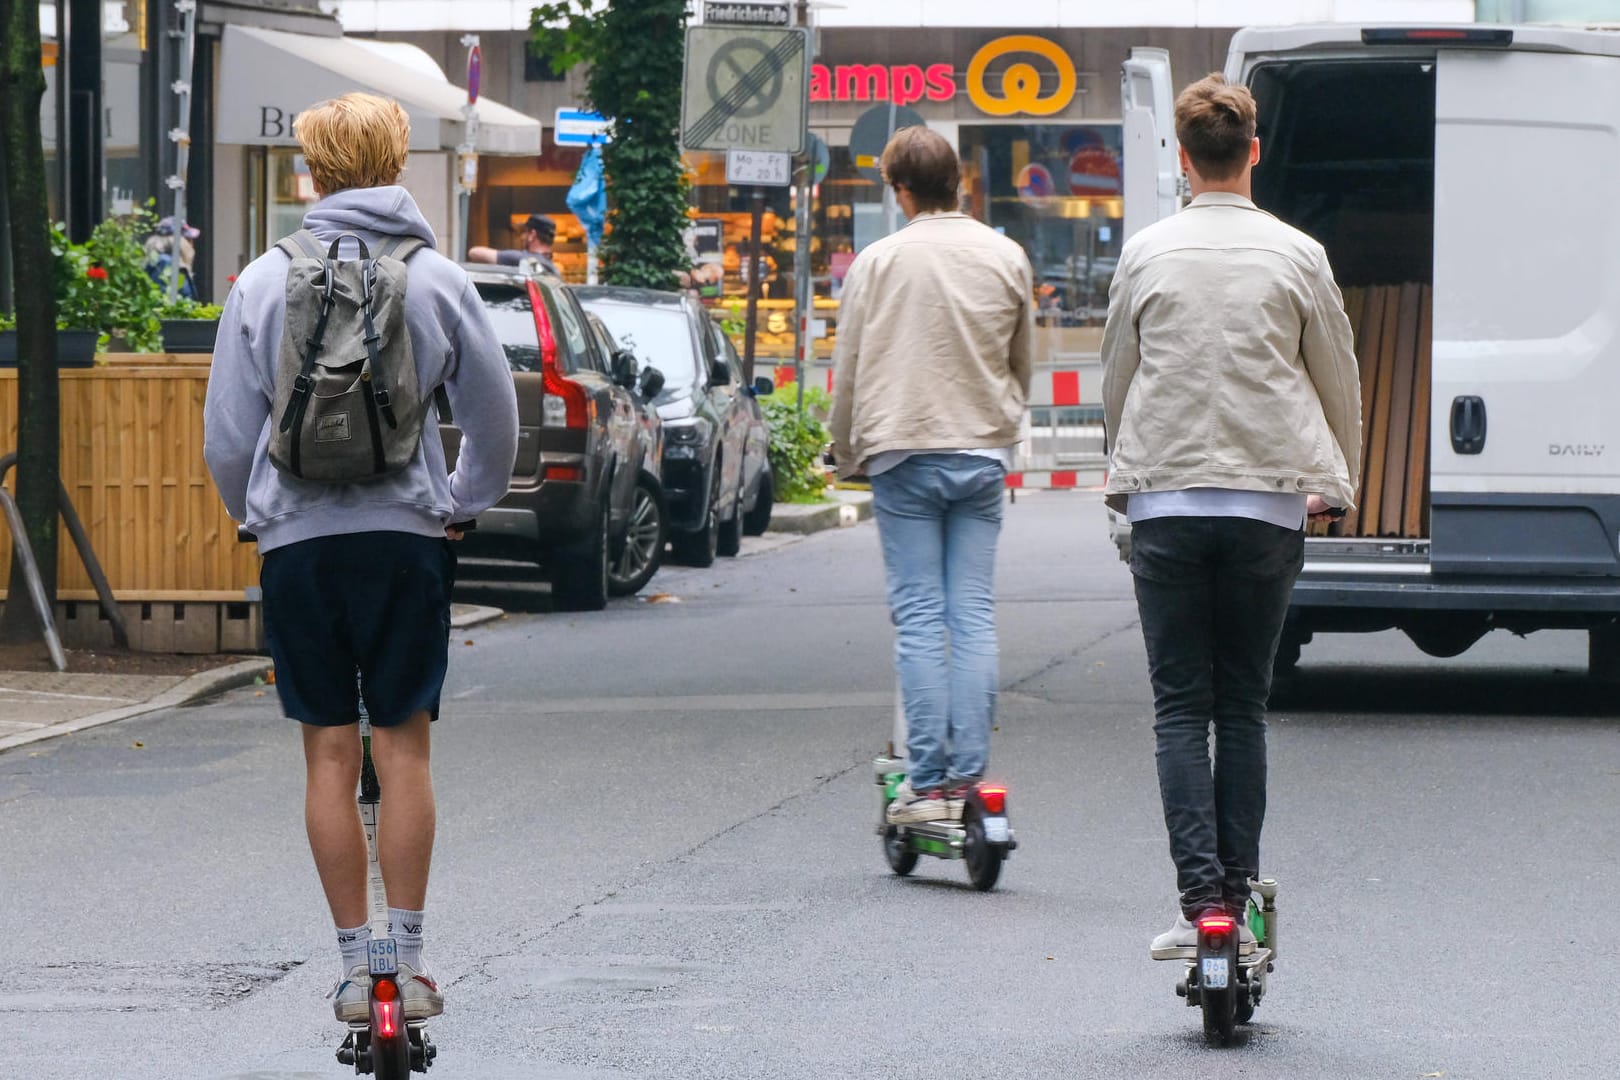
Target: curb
847, 508
204, 684
201, 685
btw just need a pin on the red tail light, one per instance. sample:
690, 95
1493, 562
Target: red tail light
387, 1019
385, 990
571, 393
1217, 924
994, 799
565, 472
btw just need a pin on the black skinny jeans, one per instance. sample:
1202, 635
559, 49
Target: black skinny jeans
1212, 593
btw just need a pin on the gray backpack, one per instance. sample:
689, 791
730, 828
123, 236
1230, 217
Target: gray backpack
347, 405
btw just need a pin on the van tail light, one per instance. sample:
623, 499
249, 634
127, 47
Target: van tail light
1436, 35
563, 403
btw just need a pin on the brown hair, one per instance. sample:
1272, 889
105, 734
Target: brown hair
925, 164
1215, 125
354, 141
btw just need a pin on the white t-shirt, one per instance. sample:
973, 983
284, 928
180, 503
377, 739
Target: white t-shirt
888, 459
1284, 509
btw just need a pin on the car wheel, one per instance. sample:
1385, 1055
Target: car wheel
579, 573
643, 542
699, 548
757, 520
730, 541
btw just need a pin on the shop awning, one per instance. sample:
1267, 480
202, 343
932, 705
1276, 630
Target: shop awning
266, 77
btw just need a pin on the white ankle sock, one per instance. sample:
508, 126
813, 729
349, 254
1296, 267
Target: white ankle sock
353, 944
405, 927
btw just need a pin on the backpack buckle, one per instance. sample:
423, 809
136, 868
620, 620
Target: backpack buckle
302, 385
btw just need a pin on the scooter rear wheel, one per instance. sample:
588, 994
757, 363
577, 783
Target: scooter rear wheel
982, 857
902, 860
1219, 1014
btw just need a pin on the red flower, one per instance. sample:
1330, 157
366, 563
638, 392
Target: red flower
97, 273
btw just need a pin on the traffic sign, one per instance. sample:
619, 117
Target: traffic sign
758, 14
820, 158
872, 131
746, 88
767, 167
576, 127
475, 73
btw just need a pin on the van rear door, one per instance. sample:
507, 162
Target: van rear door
1152, 179
1525, 408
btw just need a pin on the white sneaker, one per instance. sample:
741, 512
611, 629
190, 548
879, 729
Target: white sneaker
419, 993
1180, 942
911, 807
351, 997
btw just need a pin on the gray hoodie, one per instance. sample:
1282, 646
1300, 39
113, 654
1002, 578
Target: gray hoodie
454, 346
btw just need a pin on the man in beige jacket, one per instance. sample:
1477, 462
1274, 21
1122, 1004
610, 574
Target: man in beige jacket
1233, 412
930, 376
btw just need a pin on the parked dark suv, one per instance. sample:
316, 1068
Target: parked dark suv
581, 447
716, 475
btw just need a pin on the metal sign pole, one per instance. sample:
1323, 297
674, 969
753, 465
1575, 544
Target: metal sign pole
803, 293
755, 259
466, 153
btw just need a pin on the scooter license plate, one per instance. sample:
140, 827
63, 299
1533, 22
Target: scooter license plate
1214, 974
383, 956
996, 830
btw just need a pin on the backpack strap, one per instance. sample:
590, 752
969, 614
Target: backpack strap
293, 418
301, 244
400, 247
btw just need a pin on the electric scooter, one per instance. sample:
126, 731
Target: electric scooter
982, 837
385, 1045
1225, 984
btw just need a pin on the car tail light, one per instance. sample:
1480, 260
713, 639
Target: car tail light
563, 403
565, 472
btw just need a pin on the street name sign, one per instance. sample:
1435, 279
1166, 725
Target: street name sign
767, 167
746, 88
758, 14
576, 127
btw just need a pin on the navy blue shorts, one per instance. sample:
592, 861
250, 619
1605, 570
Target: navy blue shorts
374, 602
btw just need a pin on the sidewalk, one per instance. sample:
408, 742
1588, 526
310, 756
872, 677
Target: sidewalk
37, 705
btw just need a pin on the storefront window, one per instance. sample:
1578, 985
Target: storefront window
280, 191
1056, 190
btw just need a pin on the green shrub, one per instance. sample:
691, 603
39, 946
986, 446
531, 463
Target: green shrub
798, 442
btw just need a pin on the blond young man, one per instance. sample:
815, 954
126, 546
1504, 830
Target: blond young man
1233, 413
358, 576
930, 377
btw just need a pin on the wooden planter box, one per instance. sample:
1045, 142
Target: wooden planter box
132, 463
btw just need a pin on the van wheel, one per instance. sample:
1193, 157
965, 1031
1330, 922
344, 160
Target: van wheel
699, 548
730, 540
579, 573
1603, 654
757, 520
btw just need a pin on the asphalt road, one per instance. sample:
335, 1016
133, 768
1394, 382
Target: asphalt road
656, 855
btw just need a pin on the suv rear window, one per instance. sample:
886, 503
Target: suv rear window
513, 317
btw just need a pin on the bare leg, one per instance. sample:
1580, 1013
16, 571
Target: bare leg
406, 821
332, 818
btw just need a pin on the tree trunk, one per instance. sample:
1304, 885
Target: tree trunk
22, 88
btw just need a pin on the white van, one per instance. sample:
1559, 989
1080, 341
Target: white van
1479, 165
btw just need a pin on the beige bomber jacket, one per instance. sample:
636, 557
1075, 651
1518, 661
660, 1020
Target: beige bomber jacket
935, 346
1228, 360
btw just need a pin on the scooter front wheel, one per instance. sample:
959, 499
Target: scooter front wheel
902, 860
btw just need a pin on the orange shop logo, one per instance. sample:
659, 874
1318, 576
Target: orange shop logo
1012, 90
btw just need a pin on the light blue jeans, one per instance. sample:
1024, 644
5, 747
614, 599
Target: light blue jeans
939, 516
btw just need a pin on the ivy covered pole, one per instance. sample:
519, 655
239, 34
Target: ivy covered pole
22, 88
635, 50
